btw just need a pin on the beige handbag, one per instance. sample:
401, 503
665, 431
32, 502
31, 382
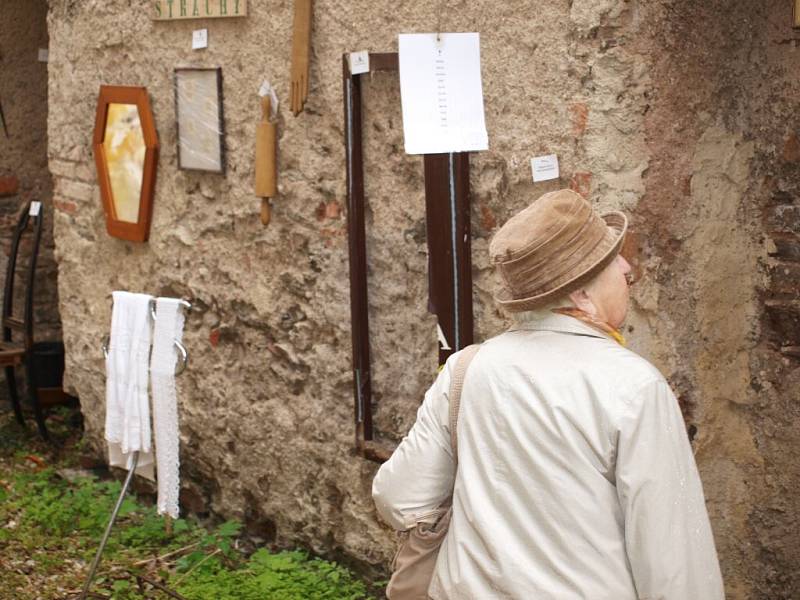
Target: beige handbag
412, 567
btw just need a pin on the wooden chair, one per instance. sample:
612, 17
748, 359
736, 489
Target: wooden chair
20, 353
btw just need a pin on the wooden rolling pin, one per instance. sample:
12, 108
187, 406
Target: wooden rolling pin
266, 160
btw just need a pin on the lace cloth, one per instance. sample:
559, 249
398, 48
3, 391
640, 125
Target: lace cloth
168, 328
127, 427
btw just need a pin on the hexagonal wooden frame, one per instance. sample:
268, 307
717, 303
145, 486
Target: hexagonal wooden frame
110, 94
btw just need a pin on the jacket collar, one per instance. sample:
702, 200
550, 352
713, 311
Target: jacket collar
546, 320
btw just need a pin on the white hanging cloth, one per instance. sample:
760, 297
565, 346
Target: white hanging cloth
168, 330
127, 403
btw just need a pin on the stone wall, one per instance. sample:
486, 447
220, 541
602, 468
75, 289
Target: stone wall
24, 175
723, 173
676, 111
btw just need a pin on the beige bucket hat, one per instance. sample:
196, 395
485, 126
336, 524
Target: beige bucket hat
552, 248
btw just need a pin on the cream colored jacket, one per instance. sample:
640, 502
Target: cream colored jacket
575, 477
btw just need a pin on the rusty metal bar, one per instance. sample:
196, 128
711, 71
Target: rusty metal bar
384, 61
449, 256
357, 246
463, 244
449, 245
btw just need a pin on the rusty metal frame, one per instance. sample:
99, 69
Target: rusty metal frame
449, 256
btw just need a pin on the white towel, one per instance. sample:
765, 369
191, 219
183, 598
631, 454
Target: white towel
127, 402
168, 330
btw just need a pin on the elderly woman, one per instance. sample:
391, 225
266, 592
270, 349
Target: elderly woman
575, 477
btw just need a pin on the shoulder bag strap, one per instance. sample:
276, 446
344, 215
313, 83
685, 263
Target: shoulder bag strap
456, 383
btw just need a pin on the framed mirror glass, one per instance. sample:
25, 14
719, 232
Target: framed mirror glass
198, 108
126, 149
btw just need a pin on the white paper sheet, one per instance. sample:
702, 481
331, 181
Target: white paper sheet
545, 167
441, 93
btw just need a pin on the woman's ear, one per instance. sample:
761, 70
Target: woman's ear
582, 301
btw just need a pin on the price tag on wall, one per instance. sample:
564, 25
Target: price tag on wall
199, 39
544, 167
359, 62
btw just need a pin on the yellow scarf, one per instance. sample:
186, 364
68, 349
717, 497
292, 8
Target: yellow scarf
585, 317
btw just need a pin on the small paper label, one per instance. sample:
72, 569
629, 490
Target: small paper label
359, 62
35, 209
544, 167
442, 339
44, 55
199, 39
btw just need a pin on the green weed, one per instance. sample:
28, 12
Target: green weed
50, 528
281, 576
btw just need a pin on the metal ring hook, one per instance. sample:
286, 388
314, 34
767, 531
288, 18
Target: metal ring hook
185, 303
181, 349
184, 358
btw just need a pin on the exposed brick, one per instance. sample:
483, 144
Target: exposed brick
784, 319
65, 206
581, 182
488, 220
785, 279
328, 210
793, 351
9, 186
333, 210
72, 170
791, 149
631, 251
786, 246
74, 189
784, 218
9, 206
580, 117
780, 197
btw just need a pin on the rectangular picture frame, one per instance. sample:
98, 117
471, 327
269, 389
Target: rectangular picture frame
199, 119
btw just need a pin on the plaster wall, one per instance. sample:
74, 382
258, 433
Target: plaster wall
655, 108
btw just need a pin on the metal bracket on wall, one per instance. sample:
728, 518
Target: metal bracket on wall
449, 256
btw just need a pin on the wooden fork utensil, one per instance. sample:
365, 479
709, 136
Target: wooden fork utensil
301, 51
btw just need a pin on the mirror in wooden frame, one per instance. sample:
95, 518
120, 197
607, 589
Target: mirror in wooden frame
126, 154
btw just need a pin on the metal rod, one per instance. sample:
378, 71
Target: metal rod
104, 540
357, 250
3, 120
464, 299
451, 181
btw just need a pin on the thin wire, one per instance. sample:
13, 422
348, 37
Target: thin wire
454, 249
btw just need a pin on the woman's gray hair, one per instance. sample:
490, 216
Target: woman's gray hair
531, 316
